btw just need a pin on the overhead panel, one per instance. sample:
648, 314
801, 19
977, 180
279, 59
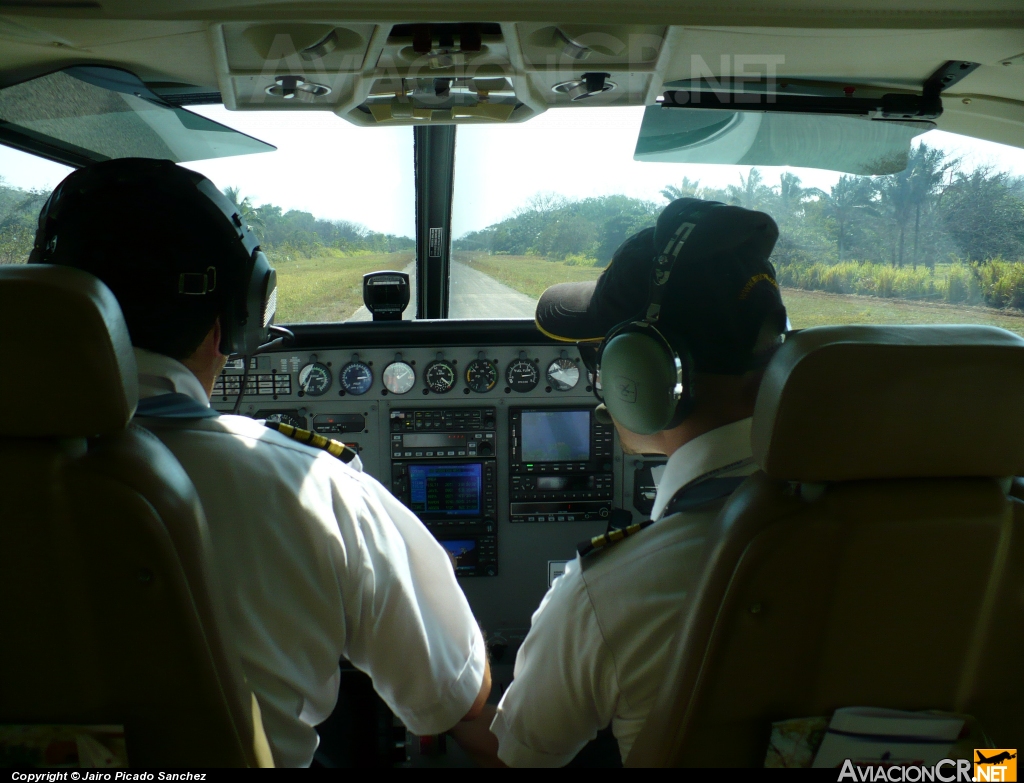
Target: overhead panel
443, 73
292, 65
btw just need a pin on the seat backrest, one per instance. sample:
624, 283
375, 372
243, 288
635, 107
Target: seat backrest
875, 558
110, 614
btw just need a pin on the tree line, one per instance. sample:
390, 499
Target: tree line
19, 216
560, 228
935, 211
287, 234
283, 234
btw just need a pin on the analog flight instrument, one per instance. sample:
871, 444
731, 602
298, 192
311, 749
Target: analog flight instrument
399, 377
440, 376
563, 374
356, 377
315, 379
481, 375
522, 374
282, 417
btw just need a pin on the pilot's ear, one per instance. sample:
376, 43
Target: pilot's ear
216, 334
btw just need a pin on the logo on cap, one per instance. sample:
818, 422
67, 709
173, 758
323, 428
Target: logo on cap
754, 281
626, 388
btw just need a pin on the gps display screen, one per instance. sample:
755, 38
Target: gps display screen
446, 490
464, 551
556, 436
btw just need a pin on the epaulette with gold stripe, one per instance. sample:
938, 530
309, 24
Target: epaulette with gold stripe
333, 447
605, 540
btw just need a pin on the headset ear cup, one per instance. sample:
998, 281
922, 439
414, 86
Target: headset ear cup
638, 380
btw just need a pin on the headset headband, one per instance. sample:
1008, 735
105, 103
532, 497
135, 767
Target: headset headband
665, 263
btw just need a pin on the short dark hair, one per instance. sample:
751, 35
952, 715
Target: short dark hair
138, 233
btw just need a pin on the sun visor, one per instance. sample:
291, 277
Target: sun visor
84, 114
852, 145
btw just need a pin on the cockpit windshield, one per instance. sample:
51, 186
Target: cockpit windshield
549, 200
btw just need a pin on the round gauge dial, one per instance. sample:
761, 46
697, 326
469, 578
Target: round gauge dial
522, 375
563, 374
315, 379
440, 376
399, 377
356, 377
287, 418
481, 375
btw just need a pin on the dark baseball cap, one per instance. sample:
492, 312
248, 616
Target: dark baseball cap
721, 292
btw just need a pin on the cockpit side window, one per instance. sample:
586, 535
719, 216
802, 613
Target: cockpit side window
25, 184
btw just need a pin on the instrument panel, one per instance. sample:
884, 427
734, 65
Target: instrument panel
493, 446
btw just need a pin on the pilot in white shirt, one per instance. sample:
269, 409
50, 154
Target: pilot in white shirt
597, 650
319, 561
315, 559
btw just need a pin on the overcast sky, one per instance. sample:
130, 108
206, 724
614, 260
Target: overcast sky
336, 170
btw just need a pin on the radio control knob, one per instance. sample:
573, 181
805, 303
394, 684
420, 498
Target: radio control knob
484, 449
603, 513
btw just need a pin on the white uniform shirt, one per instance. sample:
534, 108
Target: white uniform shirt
597, 647
316, 561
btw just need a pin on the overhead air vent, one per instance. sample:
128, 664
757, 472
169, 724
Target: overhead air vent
589, 85
293, 87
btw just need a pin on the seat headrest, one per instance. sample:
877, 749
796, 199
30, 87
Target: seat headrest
69, 364
840, 403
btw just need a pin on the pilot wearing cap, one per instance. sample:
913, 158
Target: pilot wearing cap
316, 560
679, 328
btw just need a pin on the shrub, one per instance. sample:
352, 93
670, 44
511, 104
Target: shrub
1001, 282
961, 286
579, 259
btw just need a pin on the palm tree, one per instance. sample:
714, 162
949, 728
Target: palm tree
929, 166
907, 193
792, 194
689, 188
848, 198
751, 192
248, 212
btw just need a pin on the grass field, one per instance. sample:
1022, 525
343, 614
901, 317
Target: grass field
816, 308
329, 288
532, 275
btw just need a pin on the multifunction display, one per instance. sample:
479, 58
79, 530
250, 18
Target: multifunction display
560, 465
556, 436
469, 554
446, 490
443, 468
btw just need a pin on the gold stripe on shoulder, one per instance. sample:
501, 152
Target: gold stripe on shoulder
605, 540
333, 447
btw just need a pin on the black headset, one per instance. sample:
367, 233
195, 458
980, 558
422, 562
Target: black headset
247, 310
645, 382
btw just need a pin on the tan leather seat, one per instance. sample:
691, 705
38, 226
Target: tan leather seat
876, 559
108, 613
